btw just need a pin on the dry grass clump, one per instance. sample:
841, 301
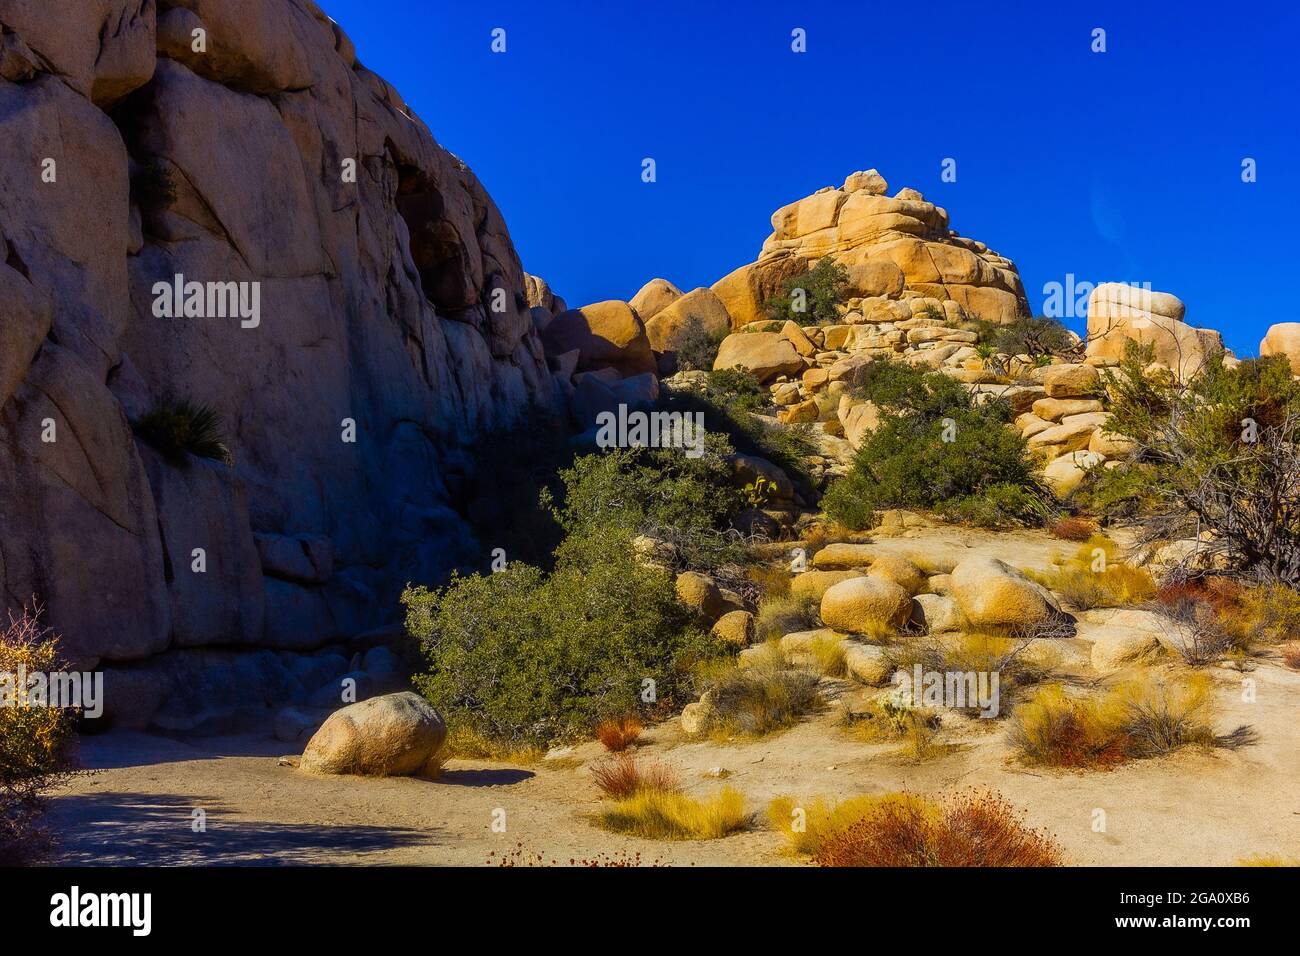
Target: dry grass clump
1073, 529
1095, 577
670, 815
773, 580
976, 652
622, 777
970, 828
1264, 860
1217, 616
759, 699
467, 743
828, 655
1291, 657
784, 615
1136, 720
619, 734
887, 719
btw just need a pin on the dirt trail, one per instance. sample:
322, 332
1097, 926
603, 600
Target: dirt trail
1193, 808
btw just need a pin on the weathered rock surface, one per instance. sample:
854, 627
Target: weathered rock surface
1118, 314
391, 736
390, 297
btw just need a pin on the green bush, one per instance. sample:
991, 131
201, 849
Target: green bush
685, 501
736, 388
525, 658
1217, 453
814, 297
935, 449
35, 744
1039, 337
176, 427
695, 347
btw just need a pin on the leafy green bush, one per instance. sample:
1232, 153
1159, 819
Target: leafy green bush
1218, 453
813, 297
935, 449
177, 427
527, 658
695, 347
524, 658
687, 502
736, 388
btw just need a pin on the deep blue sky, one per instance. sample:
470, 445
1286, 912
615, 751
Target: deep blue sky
1121, 166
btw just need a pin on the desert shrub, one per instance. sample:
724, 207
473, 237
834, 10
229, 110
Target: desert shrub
814, 297
695, 346
728, 415
527, 658
759, 699
1039, 337
669, 815
970, 828
808, 824
977, 652
1073, 529
784, 615
1199, 632
618, 734
36, 742
828, 655
1135, 720
771, 580
176, 427
737, 387
1221, 453
686, 502
622, 777
1291, 657
1267, 614
935, 449
1118, 586
890, 719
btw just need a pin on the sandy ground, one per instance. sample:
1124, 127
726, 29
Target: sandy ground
1195, 807
1192, 808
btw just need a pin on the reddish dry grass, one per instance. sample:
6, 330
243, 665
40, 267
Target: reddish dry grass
1073, 529
618, 735
1292, 656
622, 777
1221, 595
973, 828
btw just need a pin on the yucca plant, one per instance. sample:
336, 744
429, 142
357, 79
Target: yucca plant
178, 426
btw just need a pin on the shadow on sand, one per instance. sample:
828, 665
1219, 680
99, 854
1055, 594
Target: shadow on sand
126, 829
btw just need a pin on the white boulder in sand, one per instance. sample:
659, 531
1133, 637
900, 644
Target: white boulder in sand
391, 736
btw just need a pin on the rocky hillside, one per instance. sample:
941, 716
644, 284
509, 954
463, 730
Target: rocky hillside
380, 322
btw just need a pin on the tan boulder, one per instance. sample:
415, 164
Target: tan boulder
653, 297
1054, 409
799, 413
843, 555
865, 605
991, 593
1072, 381
1118, 314
767, 354
606, 334
697, 306
1110, 445
1066, 473
735, 628
388, 736
899, 570
1283, 338
859, 420
1116, 645
699, 592
867, 663
936, 614
813, 584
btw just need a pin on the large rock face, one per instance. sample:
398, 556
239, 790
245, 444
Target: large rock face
392, 310
1119, 314
894, 248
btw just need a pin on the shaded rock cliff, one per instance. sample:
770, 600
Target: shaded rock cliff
236, 142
